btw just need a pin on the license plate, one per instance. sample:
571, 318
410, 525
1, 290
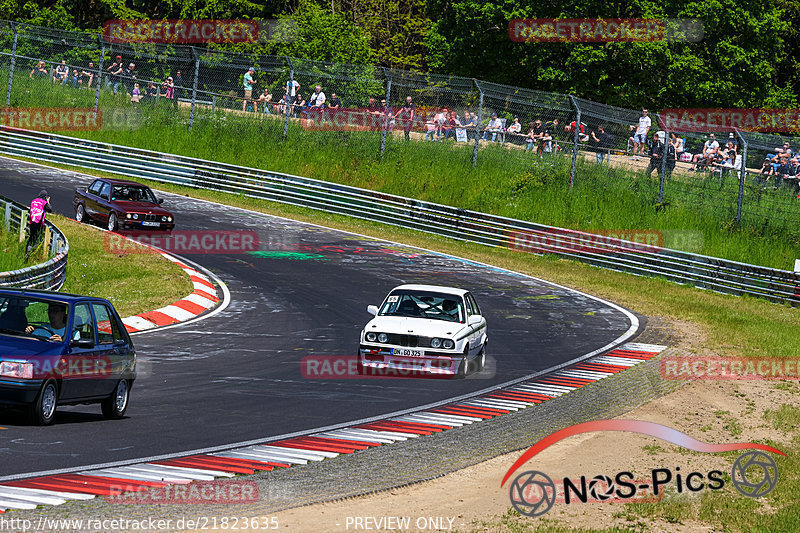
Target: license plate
406, 352
156, 224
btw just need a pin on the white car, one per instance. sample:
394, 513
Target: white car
424, 329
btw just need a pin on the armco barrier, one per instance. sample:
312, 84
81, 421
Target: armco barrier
720, 275
48, 275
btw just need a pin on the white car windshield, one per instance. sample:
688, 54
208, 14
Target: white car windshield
431, 305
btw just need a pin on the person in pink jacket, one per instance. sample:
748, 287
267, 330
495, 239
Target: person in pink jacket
40, 206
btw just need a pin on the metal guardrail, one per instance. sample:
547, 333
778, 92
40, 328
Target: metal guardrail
721, 275
48, 275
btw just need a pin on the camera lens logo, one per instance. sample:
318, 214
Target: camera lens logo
532, 493
763, 472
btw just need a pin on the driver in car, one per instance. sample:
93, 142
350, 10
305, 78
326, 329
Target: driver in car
57, 315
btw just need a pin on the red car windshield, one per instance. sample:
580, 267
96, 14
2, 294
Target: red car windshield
129, 193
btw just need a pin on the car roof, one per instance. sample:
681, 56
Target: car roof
118, 181
432, 288
49, 295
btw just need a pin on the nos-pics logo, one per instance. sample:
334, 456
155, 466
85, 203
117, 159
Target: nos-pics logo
533, 493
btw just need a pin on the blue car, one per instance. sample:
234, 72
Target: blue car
63, 349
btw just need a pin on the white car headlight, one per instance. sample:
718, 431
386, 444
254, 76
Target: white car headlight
448, 344
383, 337
371, 337
128, 215
435, 343
16, 370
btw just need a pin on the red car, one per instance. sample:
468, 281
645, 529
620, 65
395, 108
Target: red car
121, 205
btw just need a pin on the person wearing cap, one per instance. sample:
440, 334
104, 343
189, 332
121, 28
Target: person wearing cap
248, 83
40, 206
494, 127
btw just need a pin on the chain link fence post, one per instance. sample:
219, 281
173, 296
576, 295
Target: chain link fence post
576, 132
385, 121
478, 123
11, 68
289, 103
742, 175
194, 85
663, 173
99, 71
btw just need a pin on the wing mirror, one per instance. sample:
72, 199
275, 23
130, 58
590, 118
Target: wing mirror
475, 319
160, 201
373, 310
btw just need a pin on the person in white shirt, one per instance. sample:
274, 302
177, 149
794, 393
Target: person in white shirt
640, 137
317, 99
710, 151
494, 127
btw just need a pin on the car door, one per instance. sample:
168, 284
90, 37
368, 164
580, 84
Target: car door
78, 367
112, 349
477, 330
91, 197
104, 202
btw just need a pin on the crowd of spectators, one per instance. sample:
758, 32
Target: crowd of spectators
543, 138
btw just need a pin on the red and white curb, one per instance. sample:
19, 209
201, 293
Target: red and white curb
113, 481
203, 298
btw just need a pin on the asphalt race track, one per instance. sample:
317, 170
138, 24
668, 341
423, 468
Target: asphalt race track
236, 376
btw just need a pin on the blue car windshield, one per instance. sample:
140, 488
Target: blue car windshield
437, 306
32, 317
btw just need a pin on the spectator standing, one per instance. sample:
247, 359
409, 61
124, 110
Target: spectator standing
431, 127
61, 73
604, 142
334, 102
657, 152
168, 89
179, 90
292, 87
152, 92
640, 137
114, 73
136, 95
129, 77
406, 117
248, 83
317, 99
37, 213
40, 70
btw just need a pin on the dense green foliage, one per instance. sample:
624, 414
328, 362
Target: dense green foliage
748, 56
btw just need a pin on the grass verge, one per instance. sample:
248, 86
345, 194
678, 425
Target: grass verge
505, 182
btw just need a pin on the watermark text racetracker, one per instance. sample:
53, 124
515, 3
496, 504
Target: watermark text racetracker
183, 242
187, 31
604, 241
199, 492
190, 522
729, 120
726, 368
70, 118
594, 30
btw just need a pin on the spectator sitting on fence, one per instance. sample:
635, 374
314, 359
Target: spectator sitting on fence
603, 143
431, 127
247, 82
788, 173
494, 127
451, 122
61, 73
334, 102
515, 129
40, 70
75, 78
709, 153
732, 161
280, 106
678, 144
317, 99
469, 123
547, 142
87, 75
265, 98
299, 104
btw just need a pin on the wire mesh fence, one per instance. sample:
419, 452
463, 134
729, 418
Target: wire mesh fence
367, 112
